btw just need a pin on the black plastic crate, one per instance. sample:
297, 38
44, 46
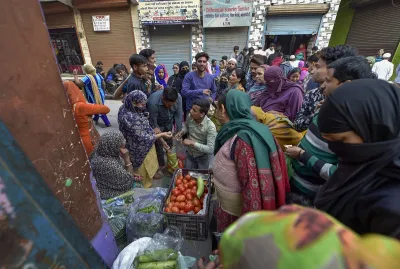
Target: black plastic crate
193, 227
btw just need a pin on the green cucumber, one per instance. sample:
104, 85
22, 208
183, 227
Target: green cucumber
200, 187
158, 265
158, 255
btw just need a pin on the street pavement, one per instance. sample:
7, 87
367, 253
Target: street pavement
192, 248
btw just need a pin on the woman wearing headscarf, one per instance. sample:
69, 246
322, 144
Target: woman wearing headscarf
301, 50
361, 122
139, 135
249, 168
172, 79
161, 77
83, 113
304, 238
94, 86
183, 70
277, 106
111, 166
304, 71
282, 95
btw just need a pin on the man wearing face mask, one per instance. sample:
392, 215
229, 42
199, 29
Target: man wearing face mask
313, 163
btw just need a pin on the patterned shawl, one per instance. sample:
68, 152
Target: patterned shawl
298, 237
136, 128
108, 168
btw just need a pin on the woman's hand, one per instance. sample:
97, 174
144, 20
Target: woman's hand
294, 152
124, 153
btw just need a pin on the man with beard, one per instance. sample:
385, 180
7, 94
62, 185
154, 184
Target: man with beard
314, 97
313, 163
255, 63
199, 84
232, 65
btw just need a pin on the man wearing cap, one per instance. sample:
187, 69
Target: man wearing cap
384, 68
240, 57
232, 65
293, 62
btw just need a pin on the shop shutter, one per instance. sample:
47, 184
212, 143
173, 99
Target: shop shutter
374, 27
172, 44
60, 20
114, 46
293, 24
298, 9
220, 41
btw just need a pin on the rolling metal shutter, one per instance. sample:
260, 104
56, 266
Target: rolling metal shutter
114, 46
60, 20
374, 27
293, 24
220, 41
171, 43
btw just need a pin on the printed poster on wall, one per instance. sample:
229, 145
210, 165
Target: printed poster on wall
227, 13
169, 12
101, 23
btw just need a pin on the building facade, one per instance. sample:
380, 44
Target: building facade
178, 30
370, 26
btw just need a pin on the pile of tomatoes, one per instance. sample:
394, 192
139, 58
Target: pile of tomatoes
183, 198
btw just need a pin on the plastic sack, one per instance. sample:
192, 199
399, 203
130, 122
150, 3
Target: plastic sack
172, 162
144, 219
180, 151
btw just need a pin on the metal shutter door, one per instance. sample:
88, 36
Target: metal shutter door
374, 27
293, 24
172, 44
220, 41
60, 20
114, 46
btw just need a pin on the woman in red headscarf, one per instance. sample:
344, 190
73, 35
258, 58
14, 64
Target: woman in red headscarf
83, 113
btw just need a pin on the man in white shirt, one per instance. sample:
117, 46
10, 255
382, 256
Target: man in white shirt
259, 51
270, 50
384, 68
293, 62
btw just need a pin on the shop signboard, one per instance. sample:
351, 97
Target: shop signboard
101, 23
227, 13
169, 12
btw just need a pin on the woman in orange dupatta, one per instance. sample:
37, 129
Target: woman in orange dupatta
83, 113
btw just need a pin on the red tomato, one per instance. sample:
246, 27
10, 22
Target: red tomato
196, 209
176, 192
173, 198
182, 212
181, 198
178, 182
193, 183
189, 197
205, 190
181, 188
194, 188
193, 192
180, 177
170, 205
188, 191
188, 177
185, 181
167, 209
202, 199
186, 185
189, 207
181, 205
196, 202
175, 209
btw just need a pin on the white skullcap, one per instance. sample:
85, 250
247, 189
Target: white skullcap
292, 57
387, 55
232, 60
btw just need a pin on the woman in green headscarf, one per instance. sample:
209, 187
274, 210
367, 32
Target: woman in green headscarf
301, 238
249, 166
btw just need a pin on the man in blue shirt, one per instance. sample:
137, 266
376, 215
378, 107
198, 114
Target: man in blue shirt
165, 109
199, 84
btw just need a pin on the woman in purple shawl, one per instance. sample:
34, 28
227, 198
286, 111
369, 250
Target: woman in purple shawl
139, 135
161, 75
282, 95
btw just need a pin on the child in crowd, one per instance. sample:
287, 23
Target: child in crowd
199, 135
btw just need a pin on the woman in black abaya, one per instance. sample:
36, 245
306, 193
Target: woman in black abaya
361, 121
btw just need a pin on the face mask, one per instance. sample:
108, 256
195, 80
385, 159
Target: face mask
273, 85
183, 72
138, 109
350, 153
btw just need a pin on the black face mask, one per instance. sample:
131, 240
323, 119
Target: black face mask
223, 84
351, 153
183, 72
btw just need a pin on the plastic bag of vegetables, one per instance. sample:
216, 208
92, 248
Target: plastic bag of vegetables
144, 219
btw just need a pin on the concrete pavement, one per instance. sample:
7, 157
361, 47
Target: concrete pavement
114, 106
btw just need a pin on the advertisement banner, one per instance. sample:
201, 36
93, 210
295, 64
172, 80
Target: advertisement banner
169, 12
227, 13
